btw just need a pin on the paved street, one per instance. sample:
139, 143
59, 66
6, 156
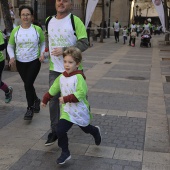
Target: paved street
129, 93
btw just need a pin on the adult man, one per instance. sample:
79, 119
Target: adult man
116, 26
61, 35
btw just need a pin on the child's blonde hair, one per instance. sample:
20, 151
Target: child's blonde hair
75, 53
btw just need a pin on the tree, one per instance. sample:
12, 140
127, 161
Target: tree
6, 15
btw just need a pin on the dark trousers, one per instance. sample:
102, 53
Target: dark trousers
54, 104
124, 39
28, 72
2, 64
132, 40
62, 129
116, 36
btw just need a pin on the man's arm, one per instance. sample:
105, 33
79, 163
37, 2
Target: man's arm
82, 44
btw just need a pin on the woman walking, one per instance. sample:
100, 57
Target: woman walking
27, 45
7, 89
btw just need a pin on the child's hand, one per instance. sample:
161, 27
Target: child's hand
43, 105
61, 100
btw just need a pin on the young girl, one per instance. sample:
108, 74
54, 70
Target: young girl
7, 89
133, 35
75, 107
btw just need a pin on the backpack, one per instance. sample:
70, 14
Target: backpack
72, 22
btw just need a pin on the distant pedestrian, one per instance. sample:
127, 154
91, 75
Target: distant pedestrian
132, 40
11, 10
116, 26
75, 108
146, 25
7, 89
138, 29
133, 26
27, 45
125, 34
89, 32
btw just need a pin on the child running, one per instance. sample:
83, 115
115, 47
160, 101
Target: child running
74, 105
125, 34
7, 89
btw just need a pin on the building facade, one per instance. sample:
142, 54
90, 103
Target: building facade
124, 10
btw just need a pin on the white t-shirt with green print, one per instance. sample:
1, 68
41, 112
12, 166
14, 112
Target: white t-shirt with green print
27, 43
61, 34
77, 113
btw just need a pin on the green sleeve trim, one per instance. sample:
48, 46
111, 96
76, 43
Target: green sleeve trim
41, 34
81, 88
12, 36
1, 38
80, 28
55, 88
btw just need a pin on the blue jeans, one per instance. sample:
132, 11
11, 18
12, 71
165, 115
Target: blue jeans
54, 106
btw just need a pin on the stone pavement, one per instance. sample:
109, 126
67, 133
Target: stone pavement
129, 92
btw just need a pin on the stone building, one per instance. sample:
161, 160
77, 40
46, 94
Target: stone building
124, 10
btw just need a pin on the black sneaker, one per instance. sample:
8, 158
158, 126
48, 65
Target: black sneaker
97, 137
52, 137
65, 156
37, 105
29, 114
8, 96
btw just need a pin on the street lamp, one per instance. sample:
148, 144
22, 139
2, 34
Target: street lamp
108, 32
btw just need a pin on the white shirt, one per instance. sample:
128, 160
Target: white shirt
60, 34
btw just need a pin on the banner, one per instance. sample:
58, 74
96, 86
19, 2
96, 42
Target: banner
160, 9
91, 5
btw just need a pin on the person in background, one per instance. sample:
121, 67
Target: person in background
116, 27
88, 32
150, 25
125, 34
133, 26
13, 21
146, 25
3, 86
11, 10
36, 22
75, 108
27, 45
132, 40
61, 36
138, 29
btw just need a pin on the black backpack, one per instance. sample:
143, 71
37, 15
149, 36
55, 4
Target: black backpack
72, 22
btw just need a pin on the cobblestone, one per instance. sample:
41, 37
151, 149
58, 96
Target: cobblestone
130, 140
